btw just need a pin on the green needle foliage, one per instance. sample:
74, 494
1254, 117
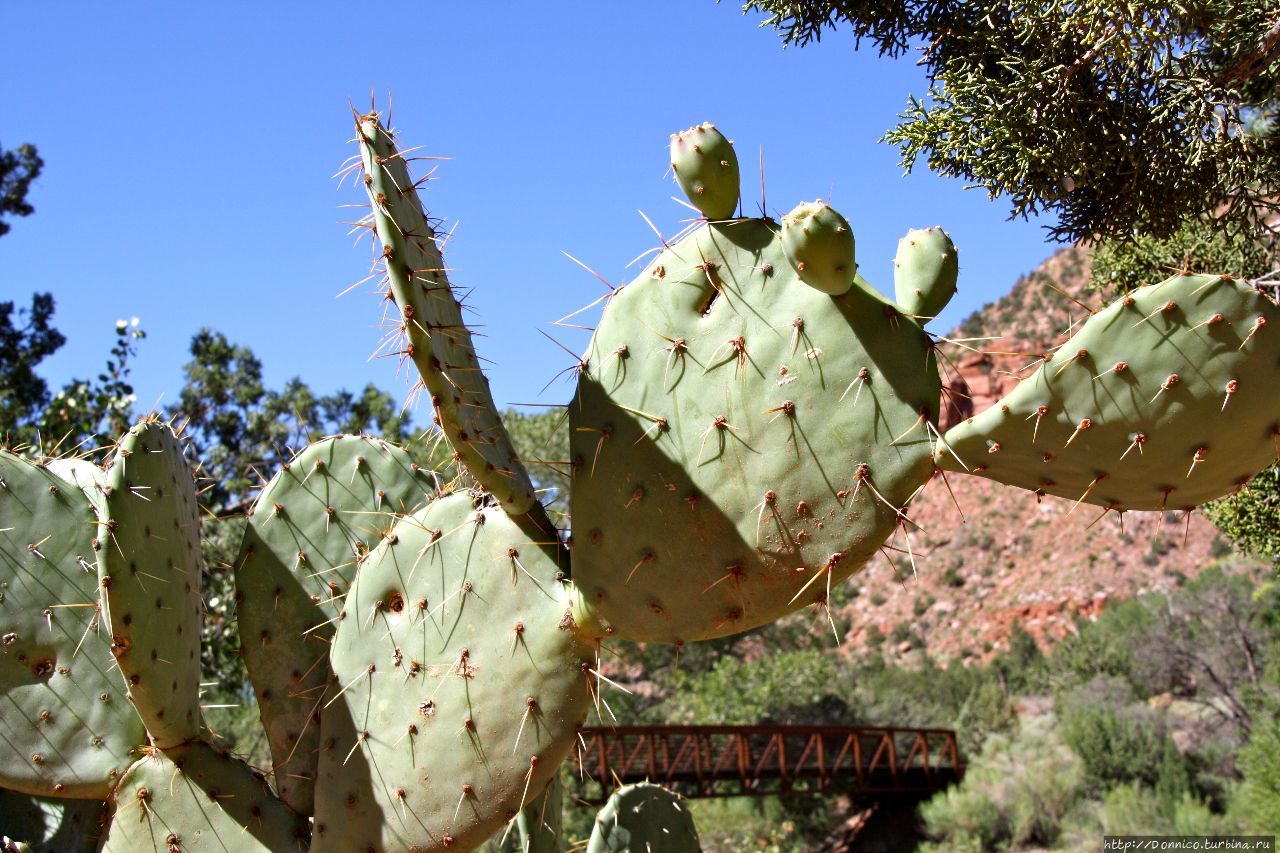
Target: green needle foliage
1117, 118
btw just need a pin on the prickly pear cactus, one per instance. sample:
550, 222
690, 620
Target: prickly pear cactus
1164, 399
461, 682
644, 818
67, 729
311, 526
742, 439
196, 797
149, 572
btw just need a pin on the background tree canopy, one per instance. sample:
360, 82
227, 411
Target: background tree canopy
1117, 118
18, 169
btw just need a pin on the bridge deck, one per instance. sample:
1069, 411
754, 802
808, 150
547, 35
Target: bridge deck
734, 761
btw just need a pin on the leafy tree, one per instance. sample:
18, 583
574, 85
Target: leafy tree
23, 345
18, 168
1117, 118
29, 416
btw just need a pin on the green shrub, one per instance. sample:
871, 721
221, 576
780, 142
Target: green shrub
784, 687
1117, 740
1015, 792
1257, 800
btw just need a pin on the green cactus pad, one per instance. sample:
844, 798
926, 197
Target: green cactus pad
43, 825
731, 434
309, 528
198, 798
819, 245
462, 683
67, 729
149, 568
83, 474
541, 822
435, 336
1164, 399
706, 168
925, 271
644, 818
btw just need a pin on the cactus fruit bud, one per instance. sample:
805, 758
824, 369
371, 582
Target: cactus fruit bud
925, 271
819, 243
706, 168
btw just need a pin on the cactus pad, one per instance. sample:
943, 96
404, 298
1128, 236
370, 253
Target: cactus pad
434, 334
541, 822
819, 245
310, 527
644, 818
925, 271
462, 682
1164, 399
149, 568
706, 168
198, 798
738, 435
67, 729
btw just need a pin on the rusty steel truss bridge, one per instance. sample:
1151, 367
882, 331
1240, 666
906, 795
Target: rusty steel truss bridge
865, 762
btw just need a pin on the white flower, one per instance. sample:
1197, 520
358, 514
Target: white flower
133, 321
120, 325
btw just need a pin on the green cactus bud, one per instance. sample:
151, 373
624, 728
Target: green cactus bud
819, 244
644, 818
67, 729
706, 168
1164, 399
925, 272
149, 571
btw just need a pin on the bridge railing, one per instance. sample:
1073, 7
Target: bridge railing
733, 761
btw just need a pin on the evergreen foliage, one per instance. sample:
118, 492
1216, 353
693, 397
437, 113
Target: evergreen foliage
1116, 118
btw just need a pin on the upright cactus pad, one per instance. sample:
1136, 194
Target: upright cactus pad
66, 729
706, 168
925, 271
644, 818
819, 244
149, 567
1165, 399
741, 439
310, 528
461, 682
541, 822
196, 797
434, 334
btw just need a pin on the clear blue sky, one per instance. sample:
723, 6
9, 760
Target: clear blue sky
189, 152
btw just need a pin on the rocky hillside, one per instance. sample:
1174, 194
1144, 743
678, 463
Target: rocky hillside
1011, 560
